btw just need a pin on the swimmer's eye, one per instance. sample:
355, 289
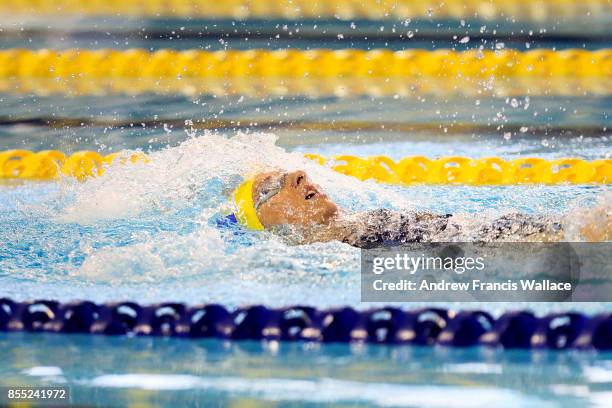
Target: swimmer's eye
309, 196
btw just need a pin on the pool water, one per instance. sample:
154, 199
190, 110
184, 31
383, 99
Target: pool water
147, 232
110, 371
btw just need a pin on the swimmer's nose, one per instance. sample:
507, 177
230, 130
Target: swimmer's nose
297, 178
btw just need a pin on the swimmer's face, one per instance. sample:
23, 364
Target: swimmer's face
291, 198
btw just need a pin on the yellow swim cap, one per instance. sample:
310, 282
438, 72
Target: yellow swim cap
246, 214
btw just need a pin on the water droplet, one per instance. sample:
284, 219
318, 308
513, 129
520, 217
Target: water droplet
465, 40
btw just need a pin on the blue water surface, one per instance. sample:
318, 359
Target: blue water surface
109, 371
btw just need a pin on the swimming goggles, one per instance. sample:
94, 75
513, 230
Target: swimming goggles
269, 189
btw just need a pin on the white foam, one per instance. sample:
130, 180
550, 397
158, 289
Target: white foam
325, 390
598, 374
474, 368
43, 371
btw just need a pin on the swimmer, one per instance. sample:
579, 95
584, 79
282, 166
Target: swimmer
291, 205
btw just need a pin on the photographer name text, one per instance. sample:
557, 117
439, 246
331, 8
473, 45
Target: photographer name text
529, 285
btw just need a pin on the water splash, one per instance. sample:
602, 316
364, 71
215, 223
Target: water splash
145, 231
201, 168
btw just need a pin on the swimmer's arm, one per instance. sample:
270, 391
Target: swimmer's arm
519, 227
593, 225
388, 228
384, 227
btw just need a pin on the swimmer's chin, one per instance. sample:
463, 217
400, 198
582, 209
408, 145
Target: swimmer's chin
332, 216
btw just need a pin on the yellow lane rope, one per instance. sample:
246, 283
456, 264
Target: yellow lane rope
463, 170
295, 9
319, 63
51, 164
313, 87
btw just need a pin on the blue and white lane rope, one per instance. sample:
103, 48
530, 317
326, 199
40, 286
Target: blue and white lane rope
426, 326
